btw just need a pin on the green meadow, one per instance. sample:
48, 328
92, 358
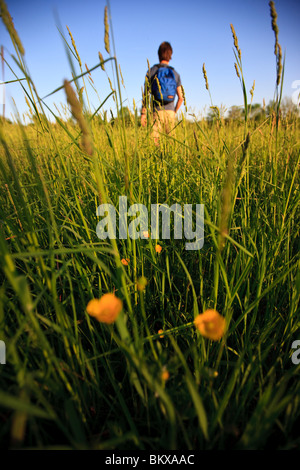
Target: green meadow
150, 380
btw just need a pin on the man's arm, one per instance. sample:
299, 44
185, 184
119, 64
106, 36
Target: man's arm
144, 117
180, 99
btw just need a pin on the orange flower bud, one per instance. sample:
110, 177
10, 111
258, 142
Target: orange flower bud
165, 375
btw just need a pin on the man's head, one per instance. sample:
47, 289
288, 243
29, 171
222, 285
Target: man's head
165, 51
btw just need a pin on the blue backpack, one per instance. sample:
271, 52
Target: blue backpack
168, 85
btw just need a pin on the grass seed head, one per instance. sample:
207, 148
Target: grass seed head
106, 31
88, 70
205, 76
122, 79
74, 47
76, 110
237, 70
101, 61
279, 64
277, 47
159, 87
274, 24
8, 22
235, 41
252, 90
184, 98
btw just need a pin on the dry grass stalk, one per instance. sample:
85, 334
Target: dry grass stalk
252, 90
226, 204
274, 25
235, 41
205, 76
279, 64
7, 20
237, 70
277, 47
101, 61
76, 110
74, 46
90, 75
106, 31
159, 87
122, 79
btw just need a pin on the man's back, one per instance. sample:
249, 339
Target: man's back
157, 103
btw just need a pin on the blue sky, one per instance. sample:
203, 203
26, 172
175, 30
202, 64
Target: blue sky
198, 31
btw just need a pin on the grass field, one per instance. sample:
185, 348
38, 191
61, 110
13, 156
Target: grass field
150, 380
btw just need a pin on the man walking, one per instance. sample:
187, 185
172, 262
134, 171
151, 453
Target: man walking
164, 84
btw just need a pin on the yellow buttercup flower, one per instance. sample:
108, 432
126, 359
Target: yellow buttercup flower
158, 248
211, 324
106, 309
